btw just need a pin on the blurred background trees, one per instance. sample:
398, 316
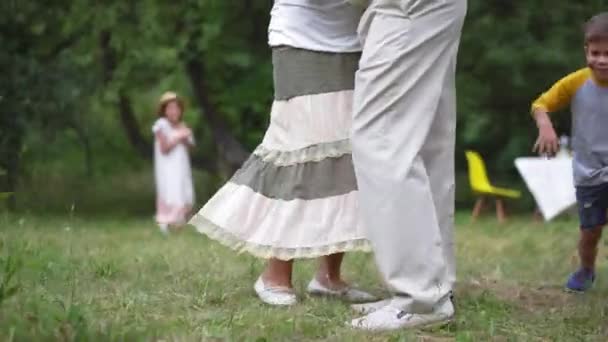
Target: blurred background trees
80, 81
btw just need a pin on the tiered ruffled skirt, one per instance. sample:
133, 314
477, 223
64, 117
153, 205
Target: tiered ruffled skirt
296, 196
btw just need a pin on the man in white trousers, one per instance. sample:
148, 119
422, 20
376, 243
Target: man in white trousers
403, 151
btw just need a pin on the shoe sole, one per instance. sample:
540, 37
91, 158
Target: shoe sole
274, 303
343, 298
568, 290
277, 304
321, 294
367, 312
427, 326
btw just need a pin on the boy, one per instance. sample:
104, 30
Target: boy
586, 90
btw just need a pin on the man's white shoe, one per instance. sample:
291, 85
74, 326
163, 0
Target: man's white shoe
274, 295
367, 308
348, 293
392, 318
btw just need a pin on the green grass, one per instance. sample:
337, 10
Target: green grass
119, 279
124, 193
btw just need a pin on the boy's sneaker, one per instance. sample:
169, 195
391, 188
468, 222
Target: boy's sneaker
581, 280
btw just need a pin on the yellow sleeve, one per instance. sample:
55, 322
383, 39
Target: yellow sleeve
561, 93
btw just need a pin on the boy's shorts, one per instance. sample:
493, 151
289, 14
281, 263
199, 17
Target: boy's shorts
592, 205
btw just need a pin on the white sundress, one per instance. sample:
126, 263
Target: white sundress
173, 176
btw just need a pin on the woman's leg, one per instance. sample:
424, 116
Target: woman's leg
274, 285
328, 273
278, 273
328, 281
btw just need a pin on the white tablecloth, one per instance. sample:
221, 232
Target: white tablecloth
550, 181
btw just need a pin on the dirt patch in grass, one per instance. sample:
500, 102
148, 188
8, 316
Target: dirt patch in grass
529, 298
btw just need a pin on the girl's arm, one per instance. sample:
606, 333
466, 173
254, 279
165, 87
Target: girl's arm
188, 139
166, 144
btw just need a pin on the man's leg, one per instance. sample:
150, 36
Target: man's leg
406, 59
438, 156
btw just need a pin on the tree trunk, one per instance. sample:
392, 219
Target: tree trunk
131, 127
229, 149
83, 137
142, 146
12, 164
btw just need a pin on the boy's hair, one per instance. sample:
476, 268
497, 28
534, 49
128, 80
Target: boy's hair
596, 28
167, 98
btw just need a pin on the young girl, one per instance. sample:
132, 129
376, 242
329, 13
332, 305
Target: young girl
296, 197
174, 190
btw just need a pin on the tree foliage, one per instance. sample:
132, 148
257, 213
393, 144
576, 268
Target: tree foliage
95, 70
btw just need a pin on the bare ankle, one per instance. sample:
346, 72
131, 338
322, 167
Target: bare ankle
274, 280
333, 281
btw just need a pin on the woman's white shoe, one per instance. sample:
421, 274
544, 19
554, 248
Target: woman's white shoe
348, 293
274, 295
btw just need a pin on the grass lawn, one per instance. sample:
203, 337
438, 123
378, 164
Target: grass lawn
117, 279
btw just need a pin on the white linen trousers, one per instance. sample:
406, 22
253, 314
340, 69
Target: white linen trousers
404, 123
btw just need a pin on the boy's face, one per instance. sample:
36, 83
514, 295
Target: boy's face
597, 59
173, 112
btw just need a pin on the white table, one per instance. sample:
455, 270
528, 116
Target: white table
550, 181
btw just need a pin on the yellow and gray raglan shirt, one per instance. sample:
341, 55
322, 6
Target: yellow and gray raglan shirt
588, 100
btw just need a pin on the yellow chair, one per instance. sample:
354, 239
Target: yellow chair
480, 184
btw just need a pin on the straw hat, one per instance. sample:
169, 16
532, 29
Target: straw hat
167, 97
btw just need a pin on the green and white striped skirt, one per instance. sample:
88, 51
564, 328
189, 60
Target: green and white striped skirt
296, 196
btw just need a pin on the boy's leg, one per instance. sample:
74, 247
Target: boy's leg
587, 246
582, 279
592, 205
592, 214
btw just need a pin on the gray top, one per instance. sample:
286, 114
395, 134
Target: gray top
590, 134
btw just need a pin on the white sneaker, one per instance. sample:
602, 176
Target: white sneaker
367, 308
348, 293
277, 295
392, 318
